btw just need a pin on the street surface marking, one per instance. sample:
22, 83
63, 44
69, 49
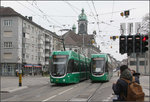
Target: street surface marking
108, 99
49, 98
65, 91
56, 95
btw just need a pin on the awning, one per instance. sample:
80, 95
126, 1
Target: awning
28, 65
37, 66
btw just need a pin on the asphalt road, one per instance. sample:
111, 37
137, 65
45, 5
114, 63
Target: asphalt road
83, 91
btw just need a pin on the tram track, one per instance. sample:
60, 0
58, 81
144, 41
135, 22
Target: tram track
86, 93
89, 99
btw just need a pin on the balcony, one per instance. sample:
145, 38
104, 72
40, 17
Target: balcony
47, 47
41, 54
40, 46
25, 30
25, 40
25, 50
41, 42
47, 55
40, 50
47, 62
47, 40
24, 60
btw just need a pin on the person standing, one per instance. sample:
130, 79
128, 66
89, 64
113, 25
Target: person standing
120, 88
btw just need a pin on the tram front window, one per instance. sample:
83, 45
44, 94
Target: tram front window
98, 67
59, 66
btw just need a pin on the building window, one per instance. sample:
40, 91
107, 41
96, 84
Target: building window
24, 34
32, 57
133, 55
7, 44
142, 63
132, 63
27, 56
32, 29
23, 55
28, 26
24, 24
7, 33
7, 55
142, 55
7, 22
36, 58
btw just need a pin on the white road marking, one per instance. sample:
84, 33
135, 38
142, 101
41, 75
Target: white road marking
65, 91
108, 98
56, 95
49, 98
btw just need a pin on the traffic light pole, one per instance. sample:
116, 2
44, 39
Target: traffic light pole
137, 62
145, 63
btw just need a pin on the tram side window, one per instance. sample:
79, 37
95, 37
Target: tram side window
70, 66
75, 67
107, 66
82, 67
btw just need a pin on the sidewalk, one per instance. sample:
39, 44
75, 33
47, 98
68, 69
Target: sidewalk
144, 81
11, 84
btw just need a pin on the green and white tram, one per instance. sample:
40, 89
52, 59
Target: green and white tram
68, 67
101, 67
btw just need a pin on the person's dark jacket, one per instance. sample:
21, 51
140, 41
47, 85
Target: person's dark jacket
120, 88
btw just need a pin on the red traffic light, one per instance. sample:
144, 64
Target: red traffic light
145, 38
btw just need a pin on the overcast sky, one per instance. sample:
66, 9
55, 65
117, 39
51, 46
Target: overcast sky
57, 15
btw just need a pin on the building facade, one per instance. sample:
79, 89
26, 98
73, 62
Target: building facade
24, 44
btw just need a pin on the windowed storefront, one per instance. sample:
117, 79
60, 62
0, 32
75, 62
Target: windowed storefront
8, 69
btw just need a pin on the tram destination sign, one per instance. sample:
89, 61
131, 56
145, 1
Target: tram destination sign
60, 56
98, 58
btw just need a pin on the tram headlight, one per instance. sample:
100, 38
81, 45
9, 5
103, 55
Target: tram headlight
63, 80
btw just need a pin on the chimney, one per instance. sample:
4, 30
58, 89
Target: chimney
30, 18
25, 16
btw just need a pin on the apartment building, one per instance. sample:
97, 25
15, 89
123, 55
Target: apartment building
24, 44
143, 60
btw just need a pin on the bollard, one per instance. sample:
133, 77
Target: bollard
20, 79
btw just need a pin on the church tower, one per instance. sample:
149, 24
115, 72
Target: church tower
82, 23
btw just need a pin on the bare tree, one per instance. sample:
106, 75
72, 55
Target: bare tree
145, 28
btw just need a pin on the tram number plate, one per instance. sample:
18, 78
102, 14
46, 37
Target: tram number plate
56, 79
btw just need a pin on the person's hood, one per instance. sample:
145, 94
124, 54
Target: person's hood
126, 74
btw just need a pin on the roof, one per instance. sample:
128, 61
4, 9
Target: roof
71, 38
7, 11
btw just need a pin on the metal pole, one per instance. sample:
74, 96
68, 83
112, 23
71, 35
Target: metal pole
145, 64
20, 76
137, 62
83, 44
130, 29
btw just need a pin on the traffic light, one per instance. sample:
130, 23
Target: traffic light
130, 44
122, 44
127, 13
137, 43
144, 43
121, 14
